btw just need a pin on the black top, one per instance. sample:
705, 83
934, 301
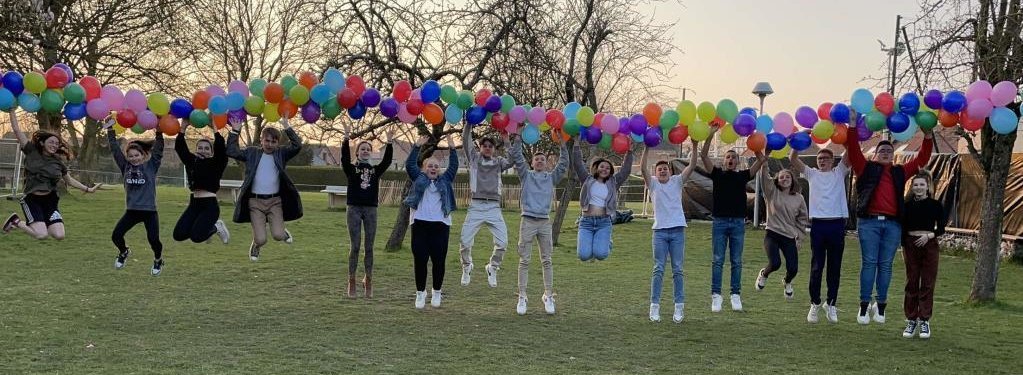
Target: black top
730, 192
925, 214
364, 178
203, 173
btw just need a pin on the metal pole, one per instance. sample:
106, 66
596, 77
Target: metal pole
756, 188
895, 61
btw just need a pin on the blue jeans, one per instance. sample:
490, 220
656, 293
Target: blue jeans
668, 242
730, 232
594, 239
878, 241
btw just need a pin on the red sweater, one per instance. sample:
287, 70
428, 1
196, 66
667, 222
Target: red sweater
883, 201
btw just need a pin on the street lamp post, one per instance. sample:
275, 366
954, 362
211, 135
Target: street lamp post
761, 90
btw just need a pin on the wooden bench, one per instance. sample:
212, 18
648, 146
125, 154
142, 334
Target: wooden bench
336, 196
235, 187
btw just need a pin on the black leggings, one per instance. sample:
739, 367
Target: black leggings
198, 221
429, 243
131, 218
777, 246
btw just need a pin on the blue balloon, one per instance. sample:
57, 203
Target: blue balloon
29, 102
530, 134
909, 104
862, 101
453, 114
334, 80
906, 135
235, 101
180, 108
840, 113
320, 94
370, 97
775, 141
218, 105
74, 111
492, 105
800, 141
476, 114
898, 122
748, 111
571, 110
6, 99
636, 137
954, 102
389, 107
430, 92
357, 111
13, 83
764, 124
1004, 120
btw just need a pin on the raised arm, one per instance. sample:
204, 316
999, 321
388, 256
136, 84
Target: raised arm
853, 154
412, 163
922, 157
708, 165
467, 143
346, 158
452, 170
578, 166
292, 149
692, 161
761, 159
156, 154
219, 149
386, 161
115, 150
181, 147
643, 167
515, 154
234, 151
766, 183
559, 170
797, 165
22, 139
623, 172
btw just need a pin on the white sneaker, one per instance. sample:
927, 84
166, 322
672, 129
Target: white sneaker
222, 232
715, 303
863, 317
491, 276
788, 291
655, 312
878, 317
811, 316
290, 240
679, 313
761, 280
832, 313
548, 304
466, 274
736, 303
435, 298
521, 307
910, 330
420, 300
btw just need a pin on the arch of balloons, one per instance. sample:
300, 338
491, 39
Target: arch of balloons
314, 98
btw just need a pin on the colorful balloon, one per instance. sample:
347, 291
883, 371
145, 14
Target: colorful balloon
1002, 94
806, 116
862, 100
727, 110
909, 104
783, 124
954, 102
884, 103
678, 134
686, 112
840, 113
765, 124
706, 112
389, 107
1004, 120
932, 99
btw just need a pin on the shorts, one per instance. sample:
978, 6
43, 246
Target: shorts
41, 208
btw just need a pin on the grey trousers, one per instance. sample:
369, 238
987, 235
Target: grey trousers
359, 217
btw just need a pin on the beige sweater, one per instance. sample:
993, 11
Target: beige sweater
786, 213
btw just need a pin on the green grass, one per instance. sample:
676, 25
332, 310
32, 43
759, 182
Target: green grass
64, 309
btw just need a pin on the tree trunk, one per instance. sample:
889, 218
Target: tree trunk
401, 223
985, 275
566, 197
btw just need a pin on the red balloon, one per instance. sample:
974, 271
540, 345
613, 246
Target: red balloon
555, 118
620, 143
402, 91
126, 118
287, 109
414, 106
347, 98
56, 78
482, 96
201, 99
273, 93
499, 121
817, 140
598, 119
355, 83
716, 122
91, 86
947, 119
678, 134
885, 103
970, 124
219, 121
824, 111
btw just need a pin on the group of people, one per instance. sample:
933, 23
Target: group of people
887, 216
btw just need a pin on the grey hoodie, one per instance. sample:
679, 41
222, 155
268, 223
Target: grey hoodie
139, 180
484, 174
537, 186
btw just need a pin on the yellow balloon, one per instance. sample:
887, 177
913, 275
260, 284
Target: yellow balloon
686, 112
118, 129
728, 134
545, 126
585, 116
158, 103
781, 154
706, 111
699, 130
270, 113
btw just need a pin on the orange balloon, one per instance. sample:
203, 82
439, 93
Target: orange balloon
308, 79
287, 109
652, 112
947, 119
169, 125
201, 99
817, 140
717, 122
220, 121
841, 132
433, 114
756, 142
273, 92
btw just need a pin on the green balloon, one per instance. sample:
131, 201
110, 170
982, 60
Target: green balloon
448, 94
137, 129
52, 101
572, 127
876, 121
331, 109
199, 118
727, 110
926, 119
288, 82
669, 119
256, 87
298, 94
254, 105
507, 103
605, 142
464, 100
74, 93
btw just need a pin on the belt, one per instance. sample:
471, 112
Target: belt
879, 217
266, 196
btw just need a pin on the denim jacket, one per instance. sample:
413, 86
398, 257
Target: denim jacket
420, 182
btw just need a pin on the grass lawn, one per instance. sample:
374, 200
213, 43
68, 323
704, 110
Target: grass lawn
64, 309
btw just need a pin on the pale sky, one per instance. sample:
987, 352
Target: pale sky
810, 51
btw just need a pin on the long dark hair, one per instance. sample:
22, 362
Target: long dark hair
596, 163
41, 136
142, 147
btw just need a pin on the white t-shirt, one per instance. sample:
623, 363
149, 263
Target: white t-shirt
267, 179
598, 194
667, 197
827, 192
430, 206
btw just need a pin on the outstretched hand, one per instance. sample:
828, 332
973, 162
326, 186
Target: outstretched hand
390, 134
422, 140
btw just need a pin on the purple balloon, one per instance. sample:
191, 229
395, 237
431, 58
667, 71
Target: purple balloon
493, 104
310, 112
389, 107
237, 115
806, 117
637, 124
745, 124
623, 125
863, 133
652, 137
371, 97
593, 134
932, 99
66, 69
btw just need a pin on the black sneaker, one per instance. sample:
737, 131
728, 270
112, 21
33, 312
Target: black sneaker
910, 329
157, 266
122, 258
925, 329
11, 223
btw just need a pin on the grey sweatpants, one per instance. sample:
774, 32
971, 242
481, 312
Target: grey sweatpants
358, 217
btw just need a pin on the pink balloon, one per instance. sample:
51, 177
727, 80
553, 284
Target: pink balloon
215, 90
135, 100
517, 114
978, 90
979, 109
536, 116
238, 86
609, 124
97, 109
404, 116
112, 96
416, 95
513, 128
783, 124
147, 119
1003, 93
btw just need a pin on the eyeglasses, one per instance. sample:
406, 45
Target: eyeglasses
885, 151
